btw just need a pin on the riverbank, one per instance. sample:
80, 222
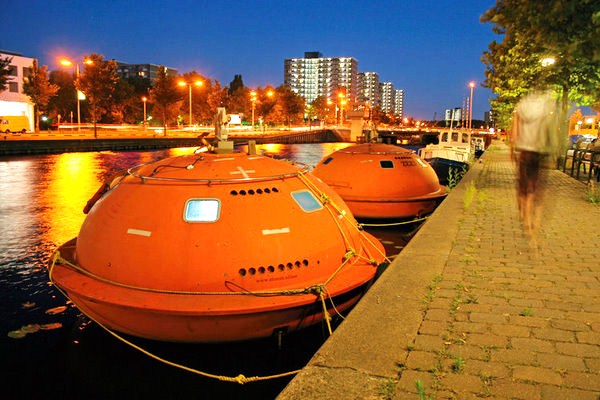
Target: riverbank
471, 308
30, 144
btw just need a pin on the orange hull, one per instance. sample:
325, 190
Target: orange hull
244, 262
382, 181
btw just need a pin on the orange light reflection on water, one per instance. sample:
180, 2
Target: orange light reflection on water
72, 180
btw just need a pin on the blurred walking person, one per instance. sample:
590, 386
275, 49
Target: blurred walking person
535, 139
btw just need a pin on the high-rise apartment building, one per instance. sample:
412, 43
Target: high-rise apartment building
387, 97
368, 89
399, 103
315, 75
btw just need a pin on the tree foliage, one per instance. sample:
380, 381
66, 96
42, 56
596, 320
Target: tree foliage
165, 95
65, 101
566, 31
39, 89
98, 82
4, 72
291, 104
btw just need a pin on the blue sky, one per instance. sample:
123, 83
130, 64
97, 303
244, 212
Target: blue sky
430, 48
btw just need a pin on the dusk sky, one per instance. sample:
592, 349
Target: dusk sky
429, 48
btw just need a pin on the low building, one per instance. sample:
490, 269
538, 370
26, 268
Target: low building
12, 100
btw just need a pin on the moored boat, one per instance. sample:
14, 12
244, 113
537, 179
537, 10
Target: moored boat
213, 247
382, 181
452, 154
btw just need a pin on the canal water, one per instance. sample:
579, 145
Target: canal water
50, 350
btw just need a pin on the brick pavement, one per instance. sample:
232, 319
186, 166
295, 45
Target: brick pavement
488, 313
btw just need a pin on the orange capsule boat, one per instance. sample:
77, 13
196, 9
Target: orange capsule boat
382, 181
213, 247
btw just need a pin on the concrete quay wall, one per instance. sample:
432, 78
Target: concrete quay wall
474, 307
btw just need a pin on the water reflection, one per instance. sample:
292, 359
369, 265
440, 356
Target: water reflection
309, 153
69, 182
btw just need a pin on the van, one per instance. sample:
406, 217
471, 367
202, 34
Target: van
14, 124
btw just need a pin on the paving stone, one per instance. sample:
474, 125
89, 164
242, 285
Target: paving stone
561, 362
578, 349
570, 325
592, 364
461, 383
514, 357
553, 334
532, 344
537, 374
516, 390
489, 340
582, 380
421, 360
428, 343
588, 337
488, 318
433, 328
550, 392
511, 330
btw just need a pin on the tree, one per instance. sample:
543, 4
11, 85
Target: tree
65, 101
217, 96
98, 82
563, 33
236, 84
4, 72
166, 96
39, 89
292, 104
126, 105
265, 103
238, 99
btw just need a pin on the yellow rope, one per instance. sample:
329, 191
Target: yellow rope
241, 379
395, 223
325, 199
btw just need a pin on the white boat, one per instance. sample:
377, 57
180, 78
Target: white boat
455, 149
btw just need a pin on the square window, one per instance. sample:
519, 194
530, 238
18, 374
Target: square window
202, 210
386, 164
306, 200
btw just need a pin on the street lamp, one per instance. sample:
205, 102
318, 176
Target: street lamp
472, 86
80, 96
342, 98
196, 83
253, 100
144, 100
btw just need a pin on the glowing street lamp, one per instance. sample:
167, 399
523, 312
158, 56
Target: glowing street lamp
144, 100
329, 103
80, 96
195, 83
547, 61
472, 86
253, 100
342, 98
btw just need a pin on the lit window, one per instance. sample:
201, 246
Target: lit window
202, 210
306, 200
